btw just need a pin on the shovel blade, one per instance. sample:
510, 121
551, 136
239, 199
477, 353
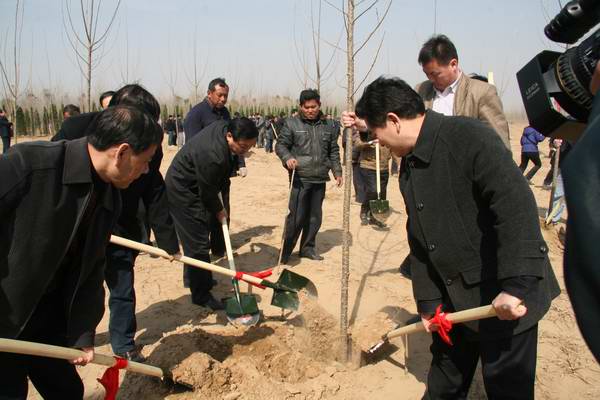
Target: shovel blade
289, 284
380, 209
245, 312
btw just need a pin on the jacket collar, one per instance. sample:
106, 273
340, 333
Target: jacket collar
78, 170
78, 166
427, 136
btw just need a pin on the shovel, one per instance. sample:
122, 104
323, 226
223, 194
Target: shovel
380, 209
65, 353
285, 290
285, 220
472, 314
241, 309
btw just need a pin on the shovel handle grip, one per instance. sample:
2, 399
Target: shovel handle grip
131, 244
472, 314
65, 353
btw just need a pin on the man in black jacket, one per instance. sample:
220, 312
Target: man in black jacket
308, 143
58, 205
150, 189
198, 173
5, 131
474, 239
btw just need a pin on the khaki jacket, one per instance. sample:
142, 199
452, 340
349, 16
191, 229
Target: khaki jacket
366, 159
475, 99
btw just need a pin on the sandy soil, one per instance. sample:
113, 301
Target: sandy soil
296, 357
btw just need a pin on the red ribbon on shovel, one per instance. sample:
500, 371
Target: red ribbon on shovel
110, 379
444, 325
260, 274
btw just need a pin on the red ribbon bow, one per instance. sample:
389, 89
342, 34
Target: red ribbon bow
110, 379
260, 274
444, 325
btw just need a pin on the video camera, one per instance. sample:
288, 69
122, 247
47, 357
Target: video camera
564, 77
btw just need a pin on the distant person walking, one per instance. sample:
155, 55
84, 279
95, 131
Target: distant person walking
6, 131
530, 151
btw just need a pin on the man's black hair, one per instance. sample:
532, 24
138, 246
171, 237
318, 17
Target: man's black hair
106, 94
438, 48
309, 94
136, 96
71, 109
124, 124
478, 77
217, 82
388, 95
242, 128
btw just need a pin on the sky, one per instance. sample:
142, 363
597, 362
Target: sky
258, 45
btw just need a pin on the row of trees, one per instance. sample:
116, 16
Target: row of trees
46, 120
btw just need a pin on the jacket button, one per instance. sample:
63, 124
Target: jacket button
420, 206
431, 247
543, 249
449, 282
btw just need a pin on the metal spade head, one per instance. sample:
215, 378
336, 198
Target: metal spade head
243, 312
287, 287
380, 209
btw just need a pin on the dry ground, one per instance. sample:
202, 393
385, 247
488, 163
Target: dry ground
296, 359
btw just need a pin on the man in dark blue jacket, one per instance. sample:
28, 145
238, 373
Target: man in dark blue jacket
5, 131
530, 152
58, 204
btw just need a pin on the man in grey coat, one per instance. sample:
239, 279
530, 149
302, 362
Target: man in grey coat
308, 144
474, 239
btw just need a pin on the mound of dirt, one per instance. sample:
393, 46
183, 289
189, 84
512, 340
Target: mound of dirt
368, 331
275, 360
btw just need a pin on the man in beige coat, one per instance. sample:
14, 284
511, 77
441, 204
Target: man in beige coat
451, 92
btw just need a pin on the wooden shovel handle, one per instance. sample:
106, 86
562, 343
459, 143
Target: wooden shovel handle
472, 314
378, 174
65, 353
131, 244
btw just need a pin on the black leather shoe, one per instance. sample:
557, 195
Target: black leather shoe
211, 303
375, 222
134, 355
364, 219
311, 255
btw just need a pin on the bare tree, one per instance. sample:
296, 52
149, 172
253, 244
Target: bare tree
349, 12
196, 75
12, 79
322, 70
87, 40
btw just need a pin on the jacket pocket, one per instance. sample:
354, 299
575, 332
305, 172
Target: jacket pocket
473, 276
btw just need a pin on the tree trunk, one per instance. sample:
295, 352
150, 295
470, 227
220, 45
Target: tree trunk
346, 237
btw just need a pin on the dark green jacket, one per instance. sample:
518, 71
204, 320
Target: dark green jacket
314, 144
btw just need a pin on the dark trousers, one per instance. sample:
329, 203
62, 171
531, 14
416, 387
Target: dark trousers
172, 138
306, 214
369, 179
508, 366
199, 233
52, 378
357, 180
535, 159
268, 145
5, 143
119, 278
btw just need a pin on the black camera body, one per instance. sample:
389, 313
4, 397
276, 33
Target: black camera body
564, 77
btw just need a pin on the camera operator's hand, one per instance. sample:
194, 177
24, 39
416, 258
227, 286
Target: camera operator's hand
595, 82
